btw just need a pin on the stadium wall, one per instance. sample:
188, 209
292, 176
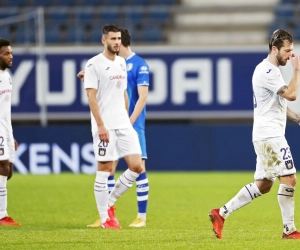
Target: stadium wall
171, 147
189, 88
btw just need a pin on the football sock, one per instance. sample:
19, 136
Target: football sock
3, 196
111, 183
101, 194
122, 185
243, 197
142, 189
287, 206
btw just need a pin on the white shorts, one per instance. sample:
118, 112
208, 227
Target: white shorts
7, 148
122, 142
274, 159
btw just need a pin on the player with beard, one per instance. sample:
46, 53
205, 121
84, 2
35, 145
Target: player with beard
7, 143
105, 81
274, 158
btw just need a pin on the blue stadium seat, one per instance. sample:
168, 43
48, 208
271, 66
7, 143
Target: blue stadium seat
109, 15
139, 2
18, 3
52, 34
116, 2
84, 16
134, 15
66, 2
76, 34
25, 35
7, 12
284, 12
42, 2
159, 15
152, 34
96, 34
290, 1
92, 2
166, 2
57, 15
5, 32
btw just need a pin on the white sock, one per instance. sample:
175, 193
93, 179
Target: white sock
243, 197
287, 206
142, 216
101, 194
3, 196
122, 185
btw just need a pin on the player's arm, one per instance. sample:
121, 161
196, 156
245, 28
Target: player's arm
140, 104
290, 92
293, 116
102, 132
126, 100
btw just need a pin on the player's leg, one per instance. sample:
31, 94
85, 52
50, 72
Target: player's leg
110, 186
263, 183
287, 206
7, 154
105, 155
129, 148
142, 185
142, 190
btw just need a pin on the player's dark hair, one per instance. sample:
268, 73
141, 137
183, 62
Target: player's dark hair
109, 28
125, 37
278, 38
4, 42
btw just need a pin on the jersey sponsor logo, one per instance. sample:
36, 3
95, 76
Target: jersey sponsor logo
116, 77
129, 66
144, 68
268, 71
5, 91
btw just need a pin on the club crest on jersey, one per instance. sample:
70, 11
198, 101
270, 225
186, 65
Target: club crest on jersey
289, 164
119, 83
102, 151
1, 151
122, 67
129, 66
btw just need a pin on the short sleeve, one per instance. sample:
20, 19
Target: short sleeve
143, 74
90, 76
272, 80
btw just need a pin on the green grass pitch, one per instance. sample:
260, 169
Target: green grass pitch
55, 209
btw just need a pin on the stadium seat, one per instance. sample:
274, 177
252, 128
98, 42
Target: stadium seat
159, 15
134, 15
116, 2
16, 3
166, 2
8, 12
5, 32
139, 2
66, 2
52, 34
84, 16
96, 34
151, 34
76, 34
284, 12
108, 15
57, 15
42, 2
92, 2
25, 34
